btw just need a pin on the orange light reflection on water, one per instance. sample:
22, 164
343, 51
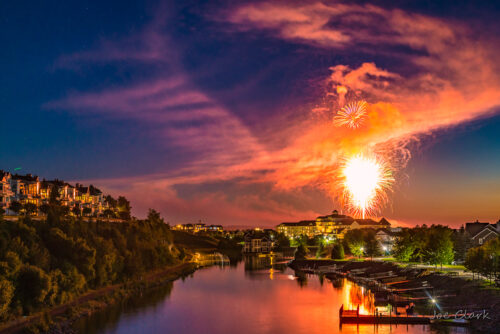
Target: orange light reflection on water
354, 295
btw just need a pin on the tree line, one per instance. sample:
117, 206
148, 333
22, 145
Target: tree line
50, 262
485, 259
432, 245
435, 245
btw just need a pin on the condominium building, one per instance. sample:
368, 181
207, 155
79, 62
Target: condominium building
28, 188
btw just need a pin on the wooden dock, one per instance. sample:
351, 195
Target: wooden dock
353, 317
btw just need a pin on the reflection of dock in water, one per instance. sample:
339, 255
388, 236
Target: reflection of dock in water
264, 266
205, 260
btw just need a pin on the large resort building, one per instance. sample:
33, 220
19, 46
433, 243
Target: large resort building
335, 225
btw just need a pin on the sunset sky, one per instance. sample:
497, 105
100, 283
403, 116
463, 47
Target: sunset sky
222, 110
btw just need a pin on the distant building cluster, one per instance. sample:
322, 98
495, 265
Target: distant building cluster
20, 192
334, 225
198, 227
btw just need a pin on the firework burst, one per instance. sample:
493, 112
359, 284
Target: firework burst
351, 115
364, 184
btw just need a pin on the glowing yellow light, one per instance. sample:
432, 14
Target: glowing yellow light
365, 182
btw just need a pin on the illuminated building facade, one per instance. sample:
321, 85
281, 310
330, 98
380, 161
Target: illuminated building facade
255, 242
27, 188
335, 225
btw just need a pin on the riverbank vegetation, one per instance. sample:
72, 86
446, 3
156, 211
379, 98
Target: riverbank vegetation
433, 245
485, 260
53, 261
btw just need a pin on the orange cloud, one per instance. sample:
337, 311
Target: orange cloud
452, 78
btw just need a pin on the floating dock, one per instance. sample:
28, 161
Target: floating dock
353, 317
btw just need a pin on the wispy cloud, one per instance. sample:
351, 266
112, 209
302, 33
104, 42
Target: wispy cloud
450, 77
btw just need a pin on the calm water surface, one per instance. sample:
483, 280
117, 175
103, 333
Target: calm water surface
255, 296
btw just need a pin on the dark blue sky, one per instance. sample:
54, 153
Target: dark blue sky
193, 97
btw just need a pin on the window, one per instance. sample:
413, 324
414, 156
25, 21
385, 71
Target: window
480, 241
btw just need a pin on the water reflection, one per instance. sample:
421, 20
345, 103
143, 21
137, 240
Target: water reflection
259, 295
108, 319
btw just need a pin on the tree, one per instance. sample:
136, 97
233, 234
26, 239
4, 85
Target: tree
44, 208
372, 247
64, 210
485, 259
111, 201
459, 244
155, 217
54, 195
76, 210
301, 252
108, 213
338, 251
355, 241
123, 208
474, 260
16, 206
6, 294
439, 246
86, 211
321, 252
282, 241
33, 284
404, 246
30, 208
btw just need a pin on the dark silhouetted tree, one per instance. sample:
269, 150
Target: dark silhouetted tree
155, 217
6, 294
123, 208
301, 252
30, 208
338, 251
86, 211
16, 206
33, 285
355, 241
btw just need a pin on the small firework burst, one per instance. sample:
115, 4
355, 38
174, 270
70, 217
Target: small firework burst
364, 183
351, 115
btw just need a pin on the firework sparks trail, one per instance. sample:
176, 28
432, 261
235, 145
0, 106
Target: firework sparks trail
351, 115
365, 183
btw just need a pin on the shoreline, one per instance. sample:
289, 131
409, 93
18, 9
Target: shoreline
451, 293
59, 319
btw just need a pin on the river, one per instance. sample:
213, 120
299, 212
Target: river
257, 295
